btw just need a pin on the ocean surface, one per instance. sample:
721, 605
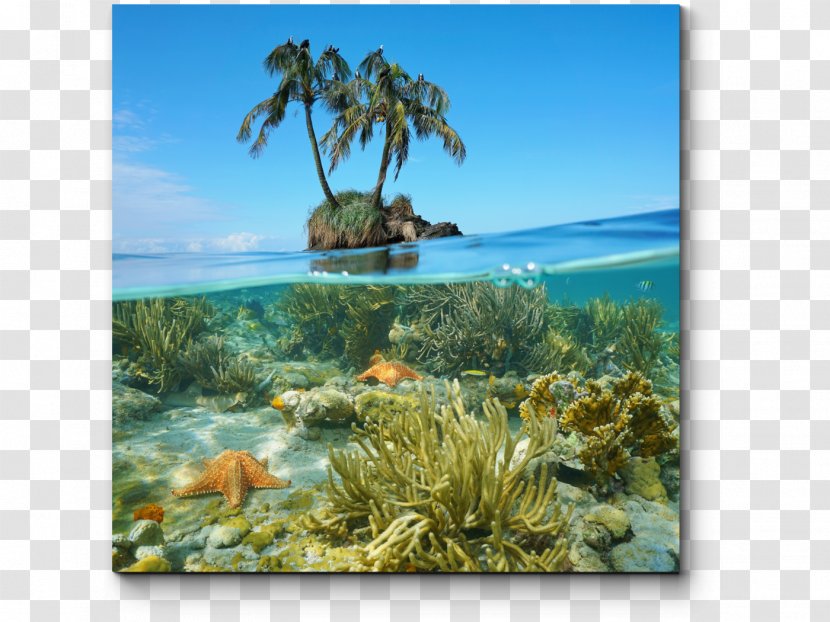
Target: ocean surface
639, 247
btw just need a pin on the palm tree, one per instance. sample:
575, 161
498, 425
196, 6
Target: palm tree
304, 80
397, 103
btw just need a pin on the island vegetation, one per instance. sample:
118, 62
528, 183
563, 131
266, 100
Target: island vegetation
379, 99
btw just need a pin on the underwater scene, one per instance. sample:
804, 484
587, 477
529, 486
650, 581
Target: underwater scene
362, 411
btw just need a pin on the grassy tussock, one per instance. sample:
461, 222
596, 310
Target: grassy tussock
356, 224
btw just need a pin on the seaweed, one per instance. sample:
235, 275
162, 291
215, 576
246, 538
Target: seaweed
436, 490
609, 333
369, 312
618, 422
213, 367
477, 326
561, 352
642, 341
315, 314
338, 321
155, 331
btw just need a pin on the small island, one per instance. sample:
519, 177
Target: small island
378, 98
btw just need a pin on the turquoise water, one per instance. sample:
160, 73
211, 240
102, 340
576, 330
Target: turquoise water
289, 356
636, 244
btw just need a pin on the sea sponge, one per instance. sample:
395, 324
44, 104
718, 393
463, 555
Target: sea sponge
150, 511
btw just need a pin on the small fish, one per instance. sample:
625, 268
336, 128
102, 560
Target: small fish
261, 386
473, 372
645, 286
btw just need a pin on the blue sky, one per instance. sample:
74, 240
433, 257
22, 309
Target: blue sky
568, 113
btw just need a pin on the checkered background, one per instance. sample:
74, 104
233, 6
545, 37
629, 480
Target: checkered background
756, 348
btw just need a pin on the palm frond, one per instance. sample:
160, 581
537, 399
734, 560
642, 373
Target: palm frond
280, 59
276, 114
372, 64
244, 134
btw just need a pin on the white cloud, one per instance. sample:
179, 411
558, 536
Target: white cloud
149, 201
233, 243
238, 242
126, 118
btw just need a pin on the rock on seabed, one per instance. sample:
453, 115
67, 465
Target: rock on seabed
146, 533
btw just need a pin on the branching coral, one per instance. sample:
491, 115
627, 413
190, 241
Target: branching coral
560, 352
629, 334
607, 322
478, 326
435, 491
315, 314
369, 312
547, 395
156, 330
336, 320
213, 367
618, 422
642, 342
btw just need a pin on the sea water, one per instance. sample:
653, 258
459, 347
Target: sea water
276, 367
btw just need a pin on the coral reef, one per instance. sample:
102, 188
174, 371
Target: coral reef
154, 331
477, 326
641, 342
559, 351
213, 367
434, 491
629, 336
546, 396
337, 321
618, 422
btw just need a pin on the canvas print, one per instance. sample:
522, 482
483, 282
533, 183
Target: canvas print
395, 289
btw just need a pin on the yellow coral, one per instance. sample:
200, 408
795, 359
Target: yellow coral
541, 398
433, 490
619, 422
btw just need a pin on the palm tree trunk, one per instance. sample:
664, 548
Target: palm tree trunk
315, 151
377, 197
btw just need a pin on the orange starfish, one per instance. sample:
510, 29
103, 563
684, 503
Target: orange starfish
232, 473
389, 373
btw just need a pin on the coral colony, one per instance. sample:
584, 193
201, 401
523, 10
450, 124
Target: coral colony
434, 428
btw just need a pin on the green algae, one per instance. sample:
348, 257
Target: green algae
239, 522
217, 512
301, 499
265, 536
269, 563
151, 563
235, 561
379, 405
